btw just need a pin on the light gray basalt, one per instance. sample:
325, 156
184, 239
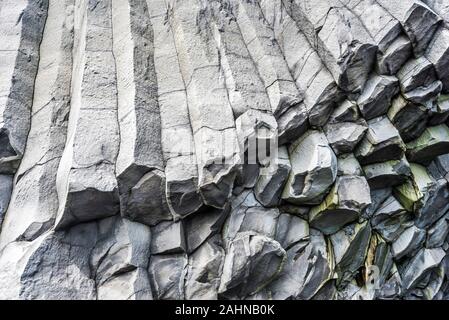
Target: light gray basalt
224, 149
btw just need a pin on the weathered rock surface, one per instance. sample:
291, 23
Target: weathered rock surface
224, 149
314, 169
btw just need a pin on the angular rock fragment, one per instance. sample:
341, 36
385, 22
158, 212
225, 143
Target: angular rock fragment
425, 196
298, 282
257, 136
425, 94
314, 169
392, 287
436, 235
411, 193
272, 180
146, 202
378, 256
376, 96
435, 204
344, 136
120, 260
181, 170
394, 56
21, 32
252, 261
438, 53
292, 124
381, 143
391, 219
439, 167
256, 219
416, 73
418, 20
350, 57
409, 118
434, 141
132, 285
344, 203
5, 195
408, 242
200, 227
86, 182
378, 196
348, 165
350, 247
204, 271
434, 284
327, 292
168, 237
387, 174
439, 113
291, 230
168, 274
256, 130
419, 265
299, 211
347, 111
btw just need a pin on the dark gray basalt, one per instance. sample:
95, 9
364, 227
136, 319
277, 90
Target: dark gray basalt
224, 149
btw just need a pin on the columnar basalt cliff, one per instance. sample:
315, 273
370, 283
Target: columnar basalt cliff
130, 139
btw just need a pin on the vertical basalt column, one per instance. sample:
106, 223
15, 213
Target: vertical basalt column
285, 97
178, 146
268, 57
86, 182
21, 29
210, 112
321, 93
255, 124
394, 46
339, 37
140, 164
34, 203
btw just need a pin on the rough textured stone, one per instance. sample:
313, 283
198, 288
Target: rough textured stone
204, 271
321, 93
391, 219
224, 149
272, 180
387, 174
418, 20
381, 143
251, 262
346, 200
376, 96
433, 142
21, 33
408, 242
350, 57
86, 182
409, 118
314, 169
350, 247
344, 136
305, 282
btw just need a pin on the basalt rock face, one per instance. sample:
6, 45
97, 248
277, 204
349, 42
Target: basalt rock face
224, 149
